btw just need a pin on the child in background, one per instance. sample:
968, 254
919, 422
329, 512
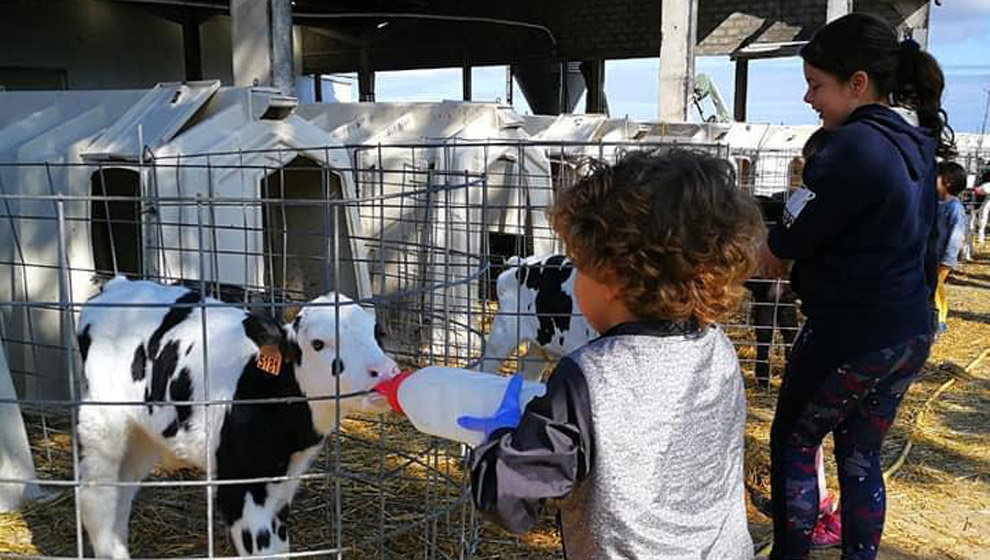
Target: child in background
950, 225
640, 433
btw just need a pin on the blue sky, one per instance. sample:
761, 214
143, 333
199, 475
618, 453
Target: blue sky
959, 39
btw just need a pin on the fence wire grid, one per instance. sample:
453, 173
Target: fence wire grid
416, 234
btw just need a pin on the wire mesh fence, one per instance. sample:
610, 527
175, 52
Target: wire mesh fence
416, 235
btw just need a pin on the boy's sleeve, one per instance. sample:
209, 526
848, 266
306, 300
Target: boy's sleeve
957, 235
826, 203
543, 457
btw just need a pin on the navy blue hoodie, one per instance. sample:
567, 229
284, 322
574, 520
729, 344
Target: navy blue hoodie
859, 242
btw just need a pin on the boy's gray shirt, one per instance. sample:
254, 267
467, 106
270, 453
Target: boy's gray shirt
640, 435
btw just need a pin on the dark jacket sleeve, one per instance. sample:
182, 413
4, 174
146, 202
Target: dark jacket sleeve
544, 457
835, 174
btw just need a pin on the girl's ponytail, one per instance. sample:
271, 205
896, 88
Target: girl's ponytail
919, 83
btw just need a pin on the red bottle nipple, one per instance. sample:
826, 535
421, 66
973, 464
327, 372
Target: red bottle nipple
390, 389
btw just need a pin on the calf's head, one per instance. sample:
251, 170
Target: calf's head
337, 343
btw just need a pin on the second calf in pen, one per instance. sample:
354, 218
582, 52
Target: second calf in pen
536, 304
143, 342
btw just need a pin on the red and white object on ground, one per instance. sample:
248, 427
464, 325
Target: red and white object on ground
433, 398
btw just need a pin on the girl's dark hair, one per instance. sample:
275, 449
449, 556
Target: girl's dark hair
900, 72
953, 176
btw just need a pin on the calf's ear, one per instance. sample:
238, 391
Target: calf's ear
263, 330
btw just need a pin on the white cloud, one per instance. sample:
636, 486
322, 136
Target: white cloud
956, 21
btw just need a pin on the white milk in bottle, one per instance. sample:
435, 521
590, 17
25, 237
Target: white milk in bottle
433, 398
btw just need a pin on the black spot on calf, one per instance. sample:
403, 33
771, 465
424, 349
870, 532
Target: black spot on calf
84, 342
138, 363
248, 541
180, 390
264, 539
174, 316
162, 369
171, 429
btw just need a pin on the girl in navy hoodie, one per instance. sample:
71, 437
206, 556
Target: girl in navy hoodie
858, 234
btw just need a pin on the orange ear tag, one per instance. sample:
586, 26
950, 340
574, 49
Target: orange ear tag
270, 359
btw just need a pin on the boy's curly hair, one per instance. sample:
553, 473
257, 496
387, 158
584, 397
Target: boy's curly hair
671, 229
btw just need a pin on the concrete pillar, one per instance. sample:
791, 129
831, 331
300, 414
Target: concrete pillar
466, 82
261, 37
283, 77
594, 79
837, 9
678, 36
192, 53
742, 89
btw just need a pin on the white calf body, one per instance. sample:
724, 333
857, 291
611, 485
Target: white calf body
155, 356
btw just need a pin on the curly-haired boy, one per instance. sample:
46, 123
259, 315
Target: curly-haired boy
640, 433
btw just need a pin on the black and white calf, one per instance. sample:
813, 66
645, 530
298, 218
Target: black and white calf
536, 304
773, 304
155, 355
773, 307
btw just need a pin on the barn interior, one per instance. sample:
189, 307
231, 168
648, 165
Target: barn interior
205, 141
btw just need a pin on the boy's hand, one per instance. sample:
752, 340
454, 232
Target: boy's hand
771, 266
506, 416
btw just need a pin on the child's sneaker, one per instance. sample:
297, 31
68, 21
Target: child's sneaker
827, 532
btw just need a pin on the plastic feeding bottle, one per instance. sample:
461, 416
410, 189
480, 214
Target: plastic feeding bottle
433, 398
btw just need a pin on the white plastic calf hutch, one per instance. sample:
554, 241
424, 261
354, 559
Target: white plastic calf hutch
135, 197
228, 187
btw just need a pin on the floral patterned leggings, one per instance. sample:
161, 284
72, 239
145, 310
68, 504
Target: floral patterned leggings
857, 402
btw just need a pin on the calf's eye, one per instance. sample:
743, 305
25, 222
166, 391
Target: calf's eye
338, 366
317, 345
